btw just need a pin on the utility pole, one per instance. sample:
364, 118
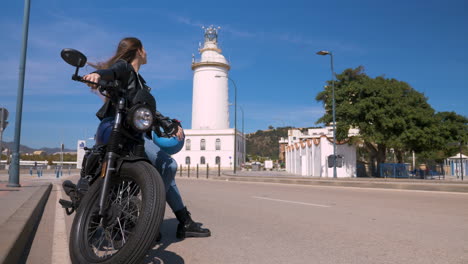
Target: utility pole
13, 180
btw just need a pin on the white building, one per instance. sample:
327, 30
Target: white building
456, 165
307, 153
210, 141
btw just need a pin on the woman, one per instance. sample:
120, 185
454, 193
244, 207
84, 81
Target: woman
124, 66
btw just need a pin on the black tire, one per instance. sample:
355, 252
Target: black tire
138, 203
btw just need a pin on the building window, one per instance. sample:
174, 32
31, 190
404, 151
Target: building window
187, 144
187, 160
202, 144
218, 160
202, 160
218, 144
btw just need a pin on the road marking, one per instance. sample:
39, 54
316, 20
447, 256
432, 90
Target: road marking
60, 254
286, 201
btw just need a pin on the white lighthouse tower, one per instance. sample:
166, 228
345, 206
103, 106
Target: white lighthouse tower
210, 92
210, 142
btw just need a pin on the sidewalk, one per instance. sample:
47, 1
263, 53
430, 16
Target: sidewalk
21, 211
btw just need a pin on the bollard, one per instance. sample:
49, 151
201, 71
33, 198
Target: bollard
219, 169
197, 171
188, 171
207, 170
180, 171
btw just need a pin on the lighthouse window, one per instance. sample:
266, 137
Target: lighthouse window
202, 160
202, 144
187, 144
218, 144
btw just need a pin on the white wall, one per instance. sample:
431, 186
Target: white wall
313, 160
210, 98
226, 153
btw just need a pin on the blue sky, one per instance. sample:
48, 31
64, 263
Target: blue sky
271, 46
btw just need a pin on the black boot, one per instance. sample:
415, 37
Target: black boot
187, 227
69, 187
72, 191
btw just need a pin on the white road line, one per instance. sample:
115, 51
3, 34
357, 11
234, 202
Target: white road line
60, 254
335, 187
286, 201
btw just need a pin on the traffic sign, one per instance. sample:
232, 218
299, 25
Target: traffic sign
3, 118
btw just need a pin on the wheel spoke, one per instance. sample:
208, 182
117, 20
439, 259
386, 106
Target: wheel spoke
121, 230
106, 236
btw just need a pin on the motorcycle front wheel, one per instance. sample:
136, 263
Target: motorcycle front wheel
135, 211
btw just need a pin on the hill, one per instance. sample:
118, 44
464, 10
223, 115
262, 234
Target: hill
264, 143
26, 149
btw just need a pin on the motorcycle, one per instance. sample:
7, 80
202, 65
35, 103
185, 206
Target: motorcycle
120, 198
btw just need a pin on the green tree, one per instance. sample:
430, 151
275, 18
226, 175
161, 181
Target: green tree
452, 129
389, 114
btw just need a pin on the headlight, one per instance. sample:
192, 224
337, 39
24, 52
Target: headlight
141, 118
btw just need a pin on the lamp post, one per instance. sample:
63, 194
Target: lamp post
235, 119
323, 53
243, 135
461, 159
13, 180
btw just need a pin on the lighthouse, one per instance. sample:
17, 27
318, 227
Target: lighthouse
210, 92
211, 143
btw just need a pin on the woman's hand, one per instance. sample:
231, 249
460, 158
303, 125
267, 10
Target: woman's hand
180, 133
92, 77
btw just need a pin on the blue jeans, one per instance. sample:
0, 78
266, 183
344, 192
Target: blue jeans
167, 167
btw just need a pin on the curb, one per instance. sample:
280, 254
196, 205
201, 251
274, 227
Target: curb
18, 230
414, 186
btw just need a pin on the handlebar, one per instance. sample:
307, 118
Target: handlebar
103, 84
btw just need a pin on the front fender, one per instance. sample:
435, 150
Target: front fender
123, 160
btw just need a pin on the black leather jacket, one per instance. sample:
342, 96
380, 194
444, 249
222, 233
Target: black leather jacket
124, 72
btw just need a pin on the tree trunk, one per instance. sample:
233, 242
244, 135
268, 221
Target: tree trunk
399, 156
381, 156
372, 158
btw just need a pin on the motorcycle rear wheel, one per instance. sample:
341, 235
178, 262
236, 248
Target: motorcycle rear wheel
135, 213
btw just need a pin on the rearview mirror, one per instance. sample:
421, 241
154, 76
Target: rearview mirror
73, 57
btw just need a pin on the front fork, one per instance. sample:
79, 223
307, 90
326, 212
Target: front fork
111, 158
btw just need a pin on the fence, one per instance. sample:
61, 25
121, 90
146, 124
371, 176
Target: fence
399, 170
199, 171
394, 170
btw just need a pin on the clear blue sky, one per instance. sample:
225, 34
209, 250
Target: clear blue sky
271, 46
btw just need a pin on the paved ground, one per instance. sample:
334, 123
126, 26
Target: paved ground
277, 223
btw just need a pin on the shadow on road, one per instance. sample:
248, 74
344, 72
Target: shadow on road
159, 254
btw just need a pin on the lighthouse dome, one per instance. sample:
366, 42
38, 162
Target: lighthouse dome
209, 55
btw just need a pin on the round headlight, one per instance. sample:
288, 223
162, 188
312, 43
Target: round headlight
142, 119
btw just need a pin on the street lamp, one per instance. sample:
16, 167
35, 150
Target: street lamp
13, 179
243, 135
323, 53
235, 119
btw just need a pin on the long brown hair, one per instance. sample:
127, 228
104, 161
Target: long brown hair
126, 50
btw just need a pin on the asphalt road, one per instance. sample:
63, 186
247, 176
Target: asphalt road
274, 223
